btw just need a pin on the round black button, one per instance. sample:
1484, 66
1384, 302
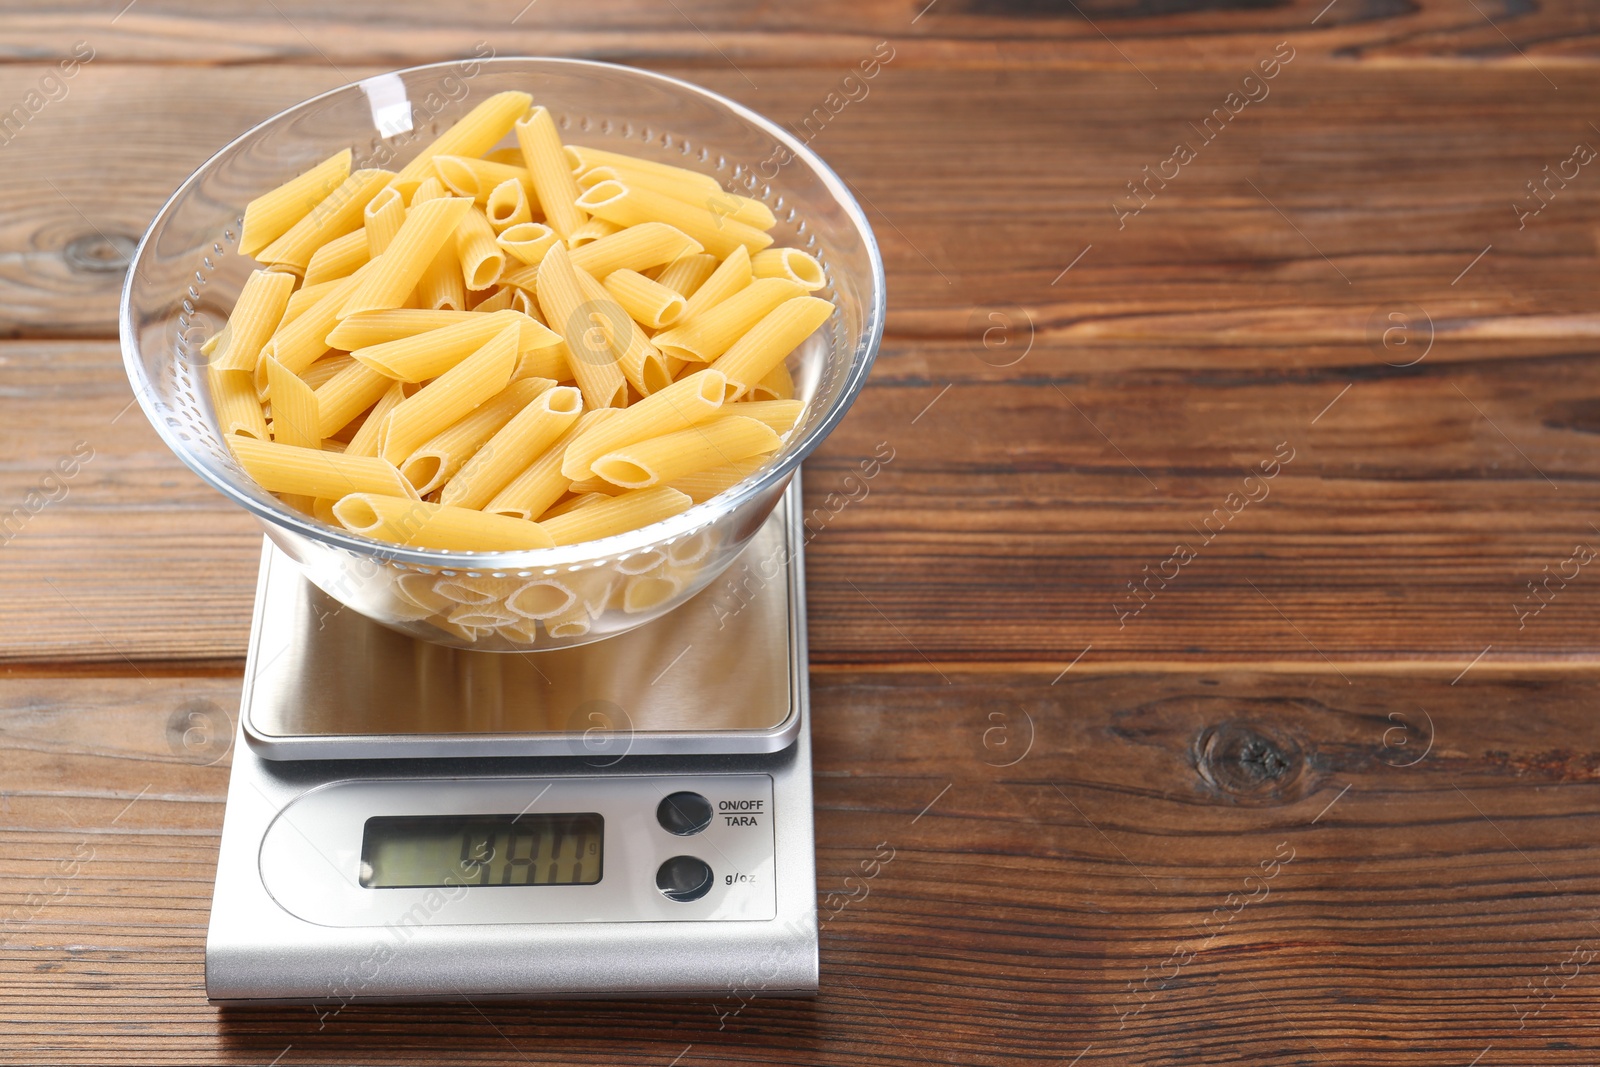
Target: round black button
684, 878
684, 813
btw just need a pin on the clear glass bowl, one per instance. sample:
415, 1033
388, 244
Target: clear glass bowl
187, 273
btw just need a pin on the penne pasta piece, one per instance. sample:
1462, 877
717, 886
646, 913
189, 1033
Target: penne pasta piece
303, 341
473, 135
575, 503
325, 368
482, 260
661, 460
517, 444
430, 189
779, 415
441, 287
498, 299
271, 215
395, 274
295, 420
582, 158
510, 154
687, 273
527, 242
542, 599
219, 340
641, 362
375, 327
574, 622
619, 514
338, 214
777, 385
382, 218
703, 485
731, 277
649, 303
552, 177
507, 205
683, 404
711, 333
370, 435
524, 278
238, 408
589, 353
428, 354
478, 178
523, 300
770, 341
591, 231
532, 492
648, 244
438, 459
630, 205
282, 468
347, 394
338, 258
450, 396
419, 524
303, 298
790, 263
721, 204
260, 308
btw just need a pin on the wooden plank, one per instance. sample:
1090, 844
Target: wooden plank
1343, 195
1111, 34
1016, 506
1124, 867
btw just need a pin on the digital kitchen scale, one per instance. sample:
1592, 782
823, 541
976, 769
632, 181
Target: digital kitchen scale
407, 821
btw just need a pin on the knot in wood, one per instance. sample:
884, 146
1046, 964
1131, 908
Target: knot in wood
1248, 758
99, 253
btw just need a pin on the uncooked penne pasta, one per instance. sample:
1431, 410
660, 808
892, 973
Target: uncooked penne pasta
507, 205
325, 368
382, 219
477, 178
641, 362
451, 395
295, 420
575, 503
271, 215
441, 287
419, 524
338, 214
338, 258
370, 435
552, 178
679, 406
282, 468
790, 263
770, 342
473, 135
482, 260
590, 355
302, 299
430, 189
238, 408
517, 444
428, 354
777, 385
375, 327
662, 460
582, 158
541, 484
706, 336
347, 394
703, 485
640, 247
650, 303
731, 277
686, 274
301, 342
619, 514
395, 273
260, 308
780, 415
498, 299
438, 459
527, 242
591, 231
630, 205
722, 204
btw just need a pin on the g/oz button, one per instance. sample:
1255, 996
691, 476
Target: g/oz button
684, 813
684, 878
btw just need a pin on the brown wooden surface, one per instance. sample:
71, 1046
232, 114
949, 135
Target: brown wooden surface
1340, 673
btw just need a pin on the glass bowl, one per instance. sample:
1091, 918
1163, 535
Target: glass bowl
187, 273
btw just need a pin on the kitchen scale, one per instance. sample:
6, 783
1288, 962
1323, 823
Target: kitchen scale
632, 817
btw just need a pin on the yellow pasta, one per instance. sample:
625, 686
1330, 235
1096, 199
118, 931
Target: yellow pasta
574, 503
303, 298
541, 484
780, 415
438, 459
582, 158
522, 300
772, 339
513, 448
482, 260
473, 135
325, 368
552, 178
640, 247
591, 231
649, 303
338, 214
777, 385
423, 355
790, 263
338, 258
719, 203
419, 524
679, 406
528, 242
661, 460
382, 218
630, 205
507, 206
295, 420
260, 308
493, 299
450, 396
347, 394
270, 215
376, 327
641, 362
370, 435
619, 514
430, 189
238, 408
441, 287
731, 277
703, 485
706, 336
282, 468
478, 178
298, 344
589, 353
395, 273
686, 274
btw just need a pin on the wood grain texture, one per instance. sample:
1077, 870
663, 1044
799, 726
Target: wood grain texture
1413, 876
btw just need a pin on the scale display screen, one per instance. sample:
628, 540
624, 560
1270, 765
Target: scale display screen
439, 851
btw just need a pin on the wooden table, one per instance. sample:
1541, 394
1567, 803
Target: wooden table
1321, 789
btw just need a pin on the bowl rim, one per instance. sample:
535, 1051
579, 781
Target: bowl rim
595, 552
